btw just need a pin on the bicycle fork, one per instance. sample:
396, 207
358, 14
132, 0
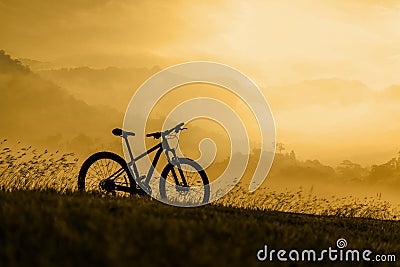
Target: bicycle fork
175, 162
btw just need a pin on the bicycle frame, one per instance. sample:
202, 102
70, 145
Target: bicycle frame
132, 163
160, 147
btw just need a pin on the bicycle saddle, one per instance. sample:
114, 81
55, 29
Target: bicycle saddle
122, 133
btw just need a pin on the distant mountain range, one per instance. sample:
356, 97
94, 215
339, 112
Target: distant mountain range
37, 111
329, 119
318, 92
99, 86
36, 65
111, 87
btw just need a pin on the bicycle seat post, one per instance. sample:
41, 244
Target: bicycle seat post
128, 147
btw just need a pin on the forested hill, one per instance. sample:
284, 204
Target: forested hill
37, 111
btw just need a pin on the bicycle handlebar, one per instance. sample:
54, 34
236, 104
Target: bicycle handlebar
177, 128
157, 135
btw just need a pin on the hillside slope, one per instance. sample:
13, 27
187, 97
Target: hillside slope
112, 86
36, 111
84, 230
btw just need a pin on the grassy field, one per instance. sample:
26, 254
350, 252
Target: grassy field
71, 229
44, 221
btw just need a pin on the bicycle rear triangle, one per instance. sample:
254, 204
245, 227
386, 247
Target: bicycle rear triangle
183, 181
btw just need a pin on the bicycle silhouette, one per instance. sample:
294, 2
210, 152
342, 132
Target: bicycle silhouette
182, 179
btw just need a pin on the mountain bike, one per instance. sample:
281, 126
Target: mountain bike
181, 178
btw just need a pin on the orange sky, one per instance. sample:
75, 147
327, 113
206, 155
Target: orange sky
275, 42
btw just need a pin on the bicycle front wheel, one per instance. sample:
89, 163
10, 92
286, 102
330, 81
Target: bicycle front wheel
106, 172
184, 186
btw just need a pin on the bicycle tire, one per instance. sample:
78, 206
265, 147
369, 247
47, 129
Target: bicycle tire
202, 182
126, 179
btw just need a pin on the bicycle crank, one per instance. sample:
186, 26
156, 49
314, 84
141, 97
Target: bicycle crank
107, 185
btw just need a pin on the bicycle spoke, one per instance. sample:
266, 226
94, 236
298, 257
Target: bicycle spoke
192, 193
102, 168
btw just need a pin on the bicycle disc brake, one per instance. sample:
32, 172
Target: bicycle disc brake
181, 189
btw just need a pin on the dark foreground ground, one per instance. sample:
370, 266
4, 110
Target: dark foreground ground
48, 229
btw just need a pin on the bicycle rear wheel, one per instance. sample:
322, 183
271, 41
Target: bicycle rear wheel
195, 192
106, 172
